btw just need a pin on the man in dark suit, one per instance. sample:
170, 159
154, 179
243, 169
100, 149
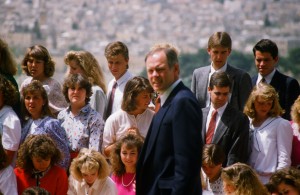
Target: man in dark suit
170, 160
266, 58
231, 126
219, 48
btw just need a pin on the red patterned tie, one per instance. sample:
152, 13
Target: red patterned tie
157, 104
211, 127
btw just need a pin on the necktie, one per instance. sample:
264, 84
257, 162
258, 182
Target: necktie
263, 80
211, 127
157, 104
111, 100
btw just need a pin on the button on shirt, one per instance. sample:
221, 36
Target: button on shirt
84, 130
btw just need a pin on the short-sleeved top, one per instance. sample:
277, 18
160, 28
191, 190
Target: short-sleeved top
57, 101
117, 124
84, 130
51, 127
10, 128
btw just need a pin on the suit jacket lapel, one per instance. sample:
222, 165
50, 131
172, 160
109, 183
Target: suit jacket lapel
222, 126
158, 118
275, 82
204, 120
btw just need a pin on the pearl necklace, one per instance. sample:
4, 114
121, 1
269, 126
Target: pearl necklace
129, 182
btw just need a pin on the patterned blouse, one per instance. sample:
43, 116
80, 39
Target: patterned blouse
84, 130
51, 127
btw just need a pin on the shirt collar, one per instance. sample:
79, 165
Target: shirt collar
268, 78
85, 108
222, 69
220, 110
165, 94
124, 78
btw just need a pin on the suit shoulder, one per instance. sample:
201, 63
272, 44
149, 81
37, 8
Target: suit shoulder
201, 69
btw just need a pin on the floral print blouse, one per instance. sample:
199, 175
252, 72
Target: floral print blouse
84, 130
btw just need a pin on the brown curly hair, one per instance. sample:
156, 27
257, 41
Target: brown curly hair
41, 146
289, 176
9, 92
39, 52
131, 141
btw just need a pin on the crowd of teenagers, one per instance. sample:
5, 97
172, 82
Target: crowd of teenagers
227, 133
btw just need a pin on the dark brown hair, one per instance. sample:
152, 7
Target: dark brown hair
39, 52
41, 146
132, 89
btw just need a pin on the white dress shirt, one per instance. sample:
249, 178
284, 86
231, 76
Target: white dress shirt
119, 90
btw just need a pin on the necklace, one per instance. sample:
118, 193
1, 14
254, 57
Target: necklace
129, 182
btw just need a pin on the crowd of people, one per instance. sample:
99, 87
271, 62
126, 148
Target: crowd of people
227, 134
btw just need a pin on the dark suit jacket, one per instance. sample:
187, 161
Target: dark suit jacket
170, 159
287, 88
240, 89
232, 134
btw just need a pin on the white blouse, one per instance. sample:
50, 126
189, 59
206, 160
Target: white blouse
271, 146
117, 124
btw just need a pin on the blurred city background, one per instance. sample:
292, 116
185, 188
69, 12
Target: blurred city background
63, 25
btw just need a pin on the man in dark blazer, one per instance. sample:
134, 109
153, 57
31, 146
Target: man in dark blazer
219, 48
170, 160
231, 131
266, 58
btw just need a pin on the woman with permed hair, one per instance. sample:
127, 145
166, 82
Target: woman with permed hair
123, 159
38, 119
38, 65
83, 62
83, 125
270, 135
241, 179
135, 115
90, 174
295, 114
10, 128
37, 165
8, 68
286, 181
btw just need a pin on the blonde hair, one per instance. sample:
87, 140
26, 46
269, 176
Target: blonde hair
89, 160
244, 179
295, 111
267, 93
90, 66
